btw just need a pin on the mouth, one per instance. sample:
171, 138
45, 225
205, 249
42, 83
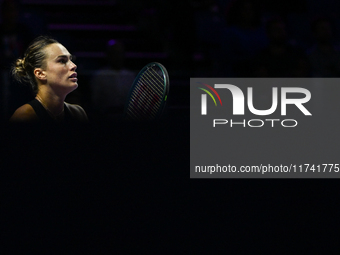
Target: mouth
73, 77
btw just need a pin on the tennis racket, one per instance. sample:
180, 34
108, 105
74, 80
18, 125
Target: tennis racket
148, 93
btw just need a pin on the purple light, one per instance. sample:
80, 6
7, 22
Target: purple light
112, 42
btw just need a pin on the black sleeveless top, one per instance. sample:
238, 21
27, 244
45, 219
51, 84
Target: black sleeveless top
44, 116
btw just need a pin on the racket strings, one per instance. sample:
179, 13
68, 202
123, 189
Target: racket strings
142, 109
157, 76
158, 83
152, 103
138, 113
146, 99
155, 86
147, 92
138, 104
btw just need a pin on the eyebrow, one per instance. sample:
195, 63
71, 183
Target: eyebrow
65, 56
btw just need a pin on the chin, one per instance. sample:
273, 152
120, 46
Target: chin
72, 88
75, 86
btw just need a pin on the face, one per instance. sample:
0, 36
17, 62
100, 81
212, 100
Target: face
59, 69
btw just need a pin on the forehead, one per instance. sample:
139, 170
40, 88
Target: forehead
54, 50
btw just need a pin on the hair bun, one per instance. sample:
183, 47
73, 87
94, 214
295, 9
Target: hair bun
34, 57
19, 71
19, 66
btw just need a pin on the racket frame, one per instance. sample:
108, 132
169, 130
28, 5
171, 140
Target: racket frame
166, 86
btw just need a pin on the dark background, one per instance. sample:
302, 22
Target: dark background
121, 186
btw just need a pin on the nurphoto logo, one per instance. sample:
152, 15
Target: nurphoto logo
238, 99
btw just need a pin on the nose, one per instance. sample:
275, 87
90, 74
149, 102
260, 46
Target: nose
73, 66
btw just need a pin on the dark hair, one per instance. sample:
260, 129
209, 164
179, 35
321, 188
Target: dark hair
23, 69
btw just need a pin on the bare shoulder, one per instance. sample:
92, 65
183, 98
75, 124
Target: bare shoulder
77, 111
24, 113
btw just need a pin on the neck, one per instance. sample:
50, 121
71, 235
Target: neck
53, 103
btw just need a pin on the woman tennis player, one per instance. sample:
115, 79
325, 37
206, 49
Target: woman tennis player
47, 66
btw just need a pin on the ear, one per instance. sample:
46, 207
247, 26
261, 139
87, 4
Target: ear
40, 74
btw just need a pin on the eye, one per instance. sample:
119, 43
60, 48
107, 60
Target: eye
62, 60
